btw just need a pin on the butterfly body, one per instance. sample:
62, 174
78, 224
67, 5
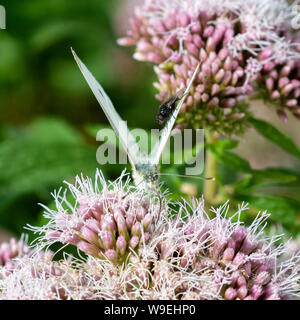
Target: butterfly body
146, 175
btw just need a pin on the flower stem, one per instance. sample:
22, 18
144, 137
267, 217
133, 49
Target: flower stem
210, 186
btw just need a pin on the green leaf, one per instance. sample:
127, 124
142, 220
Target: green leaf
230, 159
282, 209
275, 136
237, 163
48, 153
46, 130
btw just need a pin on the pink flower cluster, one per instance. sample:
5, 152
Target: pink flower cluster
188, 256
237, 42
11, 250
202, 258
107, 224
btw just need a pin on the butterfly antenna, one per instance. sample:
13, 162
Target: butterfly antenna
186, 176
127, 193
158, 195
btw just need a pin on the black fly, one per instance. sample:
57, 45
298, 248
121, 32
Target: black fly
167, 107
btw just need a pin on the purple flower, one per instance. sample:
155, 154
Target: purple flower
40, 278
108, 220
229, 38
197, 257
137, 248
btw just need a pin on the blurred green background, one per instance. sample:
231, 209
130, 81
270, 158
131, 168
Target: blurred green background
49, 117
45, 104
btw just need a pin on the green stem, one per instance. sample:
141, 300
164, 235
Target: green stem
210, 186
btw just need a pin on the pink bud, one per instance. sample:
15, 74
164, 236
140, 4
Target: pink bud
108, 223
215, 68
287, 89
189, 101
197, 40
184, 19
270, 84
291, 103
170, 22
155, 57
93, 225
202, 55
205, 97
159, 26
215, 89
52, 234
98, 209
239, 259
88, 248
89, 236
126, 41
121, 244
227, 64
285, 71
136, 229
111, 255
242, 292
208, 31
134, 241
297, 93
275, 95
228, 254
210, 45
197, 96
266, 53
228, 34
139, 56
274, 74
239, 235
230, 294
227, 77
144, 45
220, 75
213, 102
282, 82
256, 291
191, 47
107, 239
223, 54
241, 281
262, 278
196, 27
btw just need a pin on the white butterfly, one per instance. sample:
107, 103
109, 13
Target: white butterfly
145, 167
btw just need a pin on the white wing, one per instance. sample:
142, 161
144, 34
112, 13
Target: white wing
159, 147
120, 127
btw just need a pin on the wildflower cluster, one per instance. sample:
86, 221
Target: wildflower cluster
184, 256
244, 47
107, 224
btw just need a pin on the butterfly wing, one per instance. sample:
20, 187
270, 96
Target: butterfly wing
166, 131
119, 126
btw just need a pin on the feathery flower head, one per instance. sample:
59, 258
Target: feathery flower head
13, 249
197, 257
40, 278
108, 220
228, 37
279, 81
187, 256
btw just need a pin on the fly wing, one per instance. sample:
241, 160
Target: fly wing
173, 98
166, 131
127, 140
